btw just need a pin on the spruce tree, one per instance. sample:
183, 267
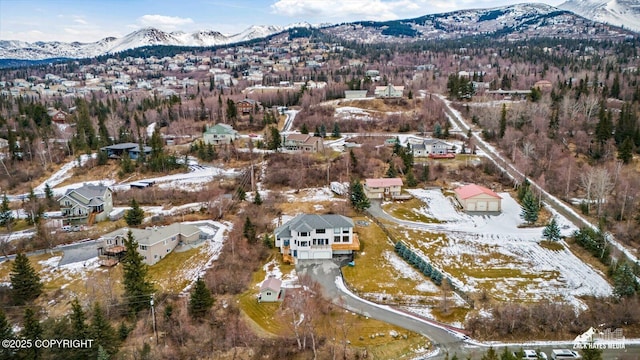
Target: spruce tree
25, 281
503, 121
135, 215
48, 194
551, 232
79, 329
625, 283
411, 179
249, 231
6, 214
6, 333
625, 151
257, 199
358, 198
102, 333
137, 288
336, 130
31, 330
530, 208
275, 140
201, 300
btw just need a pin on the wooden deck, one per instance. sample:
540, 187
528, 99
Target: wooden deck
355, 245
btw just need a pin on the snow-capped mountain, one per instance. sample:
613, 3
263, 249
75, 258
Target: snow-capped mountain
624, 13
12, 49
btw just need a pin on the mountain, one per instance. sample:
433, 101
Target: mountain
12, 49
624, 13
512, 22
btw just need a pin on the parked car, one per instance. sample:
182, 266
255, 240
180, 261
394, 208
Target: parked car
66, 228
564, 354
531, 355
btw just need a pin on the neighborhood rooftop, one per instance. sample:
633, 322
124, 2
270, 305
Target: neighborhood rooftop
471, 190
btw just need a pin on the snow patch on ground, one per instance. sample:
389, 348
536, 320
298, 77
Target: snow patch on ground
272, 269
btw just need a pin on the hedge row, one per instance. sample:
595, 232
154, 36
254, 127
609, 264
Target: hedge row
419, 263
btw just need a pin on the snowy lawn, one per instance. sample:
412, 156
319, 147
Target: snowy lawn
493, 253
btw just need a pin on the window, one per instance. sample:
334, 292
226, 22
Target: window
268, 293
143, 247
320, 231
337, 230
304, 234
168, 250
345, 239
304, 243
336, 239
345, 231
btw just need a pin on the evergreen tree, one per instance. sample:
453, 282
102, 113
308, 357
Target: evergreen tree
353, 159
25, 281
615, 87
48, 194
249, 231
137, 288
625, 283
491, 354
437, 131
126, 165
357, 196
102, 333
411, 179
6, 214
304, 129
79, 329
336, 130
31, 330
6, 333
625, 151
135, 215
530, 208
391, 172
551, 232
591, 353
323, 131
275, 140
201, 300
424, 176
102, 353
257, 199
242, 195
503, 121
507, 355
523, 189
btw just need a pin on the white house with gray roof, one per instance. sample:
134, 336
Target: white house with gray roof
310, 236
431, 147
219, 134
87, 204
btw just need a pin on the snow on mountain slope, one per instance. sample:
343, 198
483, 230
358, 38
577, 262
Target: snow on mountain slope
12, 49
624, 13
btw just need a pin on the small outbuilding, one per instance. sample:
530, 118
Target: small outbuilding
478, 198
271, 290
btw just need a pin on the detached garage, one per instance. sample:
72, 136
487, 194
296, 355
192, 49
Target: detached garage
478, 198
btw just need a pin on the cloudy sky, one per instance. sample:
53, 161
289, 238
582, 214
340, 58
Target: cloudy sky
92, 20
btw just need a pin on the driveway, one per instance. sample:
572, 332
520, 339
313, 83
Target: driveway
327, 274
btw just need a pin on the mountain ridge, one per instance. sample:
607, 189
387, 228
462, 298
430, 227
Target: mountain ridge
623, 13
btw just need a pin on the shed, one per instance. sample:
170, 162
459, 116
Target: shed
474, 197
271, 290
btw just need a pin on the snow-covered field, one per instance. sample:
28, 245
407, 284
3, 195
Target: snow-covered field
493, 253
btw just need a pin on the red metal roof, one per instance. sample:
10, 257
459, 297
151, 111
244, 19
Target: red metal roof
271, 283
384, 182
472, 190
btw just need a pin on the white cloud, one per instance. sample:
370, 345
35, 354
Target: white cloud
164, 22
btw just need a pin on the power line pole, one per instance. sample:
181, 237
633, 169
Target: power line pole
153, 316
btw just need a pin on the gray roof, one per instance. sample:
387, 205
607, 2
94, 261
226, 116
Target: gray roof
418, 147
151, 236
223, 129
121, 146
88, 194
308, 222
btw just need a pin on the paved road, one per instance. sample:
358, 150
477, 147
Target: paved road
325, 273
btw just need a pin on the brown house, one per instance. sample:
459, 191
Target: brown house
303, 142
247, 106
56, 115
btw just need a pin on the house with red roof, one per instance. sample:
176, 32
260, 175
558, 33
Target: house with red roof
382, 188
271, 290
474, 197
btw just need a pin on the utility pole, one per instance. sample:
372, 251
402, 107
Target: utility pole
153, 316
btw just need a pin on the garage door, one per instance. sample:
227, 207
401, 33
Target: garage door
481, 206
493, 206
303, 254
322, 255
471, 206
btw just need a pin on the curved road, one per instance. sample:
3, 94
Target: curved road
327, 272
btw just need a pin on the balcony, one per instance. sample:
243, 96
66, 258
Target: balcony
354, 245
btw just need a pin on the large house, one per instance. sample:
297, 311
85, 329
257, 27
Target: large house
431, 147
310, 236
389, 91
116, 151
153, 243
87, 204
303, 142
382, 188
474, 197
219, 134
247, 106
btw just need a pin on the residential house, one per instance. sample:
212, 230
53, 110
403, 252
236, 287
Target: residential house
56, 115
116, 151
87, 204
389, 91
271, 290
355, 94
219, 134
247, 106
543, 85
303, 142
431, 147
474, 197
310, 236
383, 188
154, 243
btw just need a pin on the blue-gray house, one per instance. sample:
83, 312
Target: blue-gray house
117, 150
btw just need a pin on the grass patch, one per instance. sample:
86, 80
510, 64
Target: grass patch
176, 270
551, 245
409, 210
